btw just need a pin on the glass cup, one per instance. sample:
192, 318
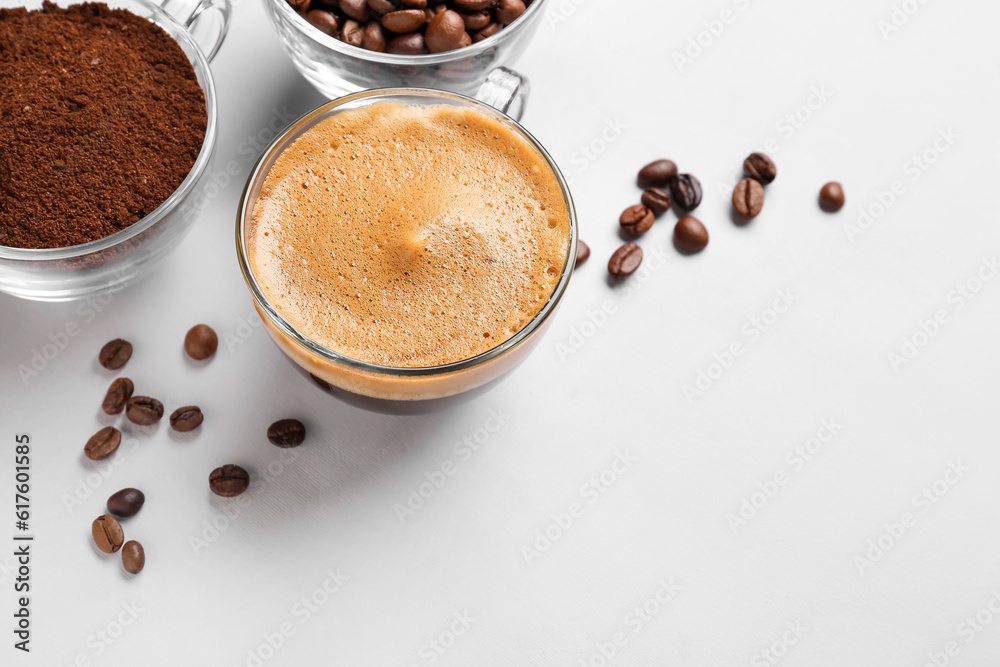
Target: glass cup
60, 274
389, 389
336, 68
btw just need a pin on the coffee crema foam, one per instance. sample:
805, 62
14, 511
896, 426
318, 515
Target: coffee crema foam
409, 235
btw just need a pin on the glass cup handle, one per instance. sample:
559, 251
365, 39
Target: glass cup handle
225, 11
196, 17
506, 91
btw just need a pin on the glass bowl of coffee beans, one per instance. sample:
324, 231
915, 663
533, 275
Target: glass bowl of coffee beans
343, 46
105, 144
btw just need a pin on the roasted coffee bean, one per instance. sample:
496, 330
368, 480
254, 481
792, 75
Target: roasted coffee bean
625, 260
103, 444
126, 503
286, 433
486, 32
636, 220
690, 236
686, 191
108, 534
365, 22
374, 38
133, 557
352, 33
143, 410
656, 200
115, 353
760, 168
473, 5
187, 418
201, 342
118, 394
445, 32
407, 45
321, 383
831, 197
404, 20
475, 20
748, 198
229, 480
582, 252
657, 174
509, 11
323, 21
357, 10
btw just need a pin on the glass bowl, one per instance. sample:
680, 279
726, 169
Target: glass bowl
336, 68
385, 388
61, 274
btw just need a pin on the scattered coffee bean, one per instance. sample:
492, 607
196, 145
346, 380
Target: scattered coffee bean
656, 200
416, 24
760, 168
187, 418
133, 557
636, 220
831, 197
115, 353
108, 534
323, 20
229, 480
118, 394
201, 342
126, 503
657, 174
625, 260
446, 32
286, 433
103, 444
582, 252
690, 236
748, 198
143, 410
321, 383
686, 191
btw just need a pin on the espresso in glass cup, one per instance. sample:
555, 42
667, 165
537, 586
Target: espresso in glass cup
406, 247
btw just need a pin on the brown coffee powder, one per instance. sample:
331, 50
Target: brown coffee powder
101, 118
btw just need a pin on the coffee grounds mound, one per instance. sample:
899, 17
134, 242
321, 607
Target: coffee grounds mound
101, 118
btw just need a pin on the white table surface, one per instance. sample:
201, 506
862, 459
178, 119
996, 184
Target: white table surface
661, 525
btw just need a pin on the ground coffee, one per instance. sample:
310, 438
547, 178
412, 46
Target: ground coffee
101, 118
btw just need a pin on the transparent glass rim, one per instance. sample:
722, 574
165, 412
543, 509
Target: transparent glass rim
393, 59
201, 67
280, 143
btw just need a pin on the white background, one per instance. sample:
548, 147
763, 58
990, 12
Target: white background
598, 69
